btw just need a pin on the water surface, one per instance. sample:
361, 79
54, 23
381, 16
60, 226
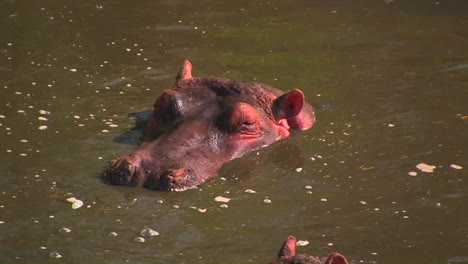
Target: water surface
388, 78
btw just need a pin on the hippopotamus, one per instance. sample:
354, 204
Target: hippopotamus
287, 255
203, 122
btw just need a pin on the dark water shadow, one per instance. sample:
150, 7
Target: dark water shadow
135, 134
284, 155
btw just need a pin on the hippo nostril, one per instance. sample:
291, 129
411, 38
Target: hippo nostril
175, 172
125, 170
176, 178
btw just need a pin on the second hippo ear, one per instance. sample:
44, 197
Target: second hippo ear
336, 258
185, 72
288, 249
288, 105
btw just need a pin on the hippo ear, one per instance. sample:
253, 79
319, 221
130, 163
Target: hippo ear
168, 106
292, 107
288, 249
336, 258
288, 105
185, 72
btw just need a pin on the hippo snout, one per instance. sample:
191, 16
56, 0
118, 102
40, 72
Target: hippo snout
134, 170
124, 170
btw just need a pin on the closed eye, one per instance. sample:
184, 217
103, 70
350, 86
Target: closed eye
249, 124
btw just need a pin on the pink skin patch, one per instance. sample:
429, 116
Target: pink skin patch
187, 70
283, 128
336, 258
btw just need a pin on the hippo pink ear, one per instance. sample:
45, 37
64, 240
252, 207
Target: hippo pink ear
288, 105
292, 107
336, 258
185, 72
288, 249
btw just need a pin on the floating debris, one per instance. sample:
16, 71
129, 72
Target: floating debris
323, 199
308, 187
298, 169
55, 255
391, 125
44, 112
42, 127
412, 173
139, 239
202, 210
267, 201
302, 243
364, 168
148, 232
75, 202
250, 191
224, 206
64, 230
363, 202
113, 234
455, 166
425, 167
222, 199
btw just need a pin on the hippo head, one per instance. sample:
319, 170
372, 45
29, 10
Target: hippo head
201, 123
287, 255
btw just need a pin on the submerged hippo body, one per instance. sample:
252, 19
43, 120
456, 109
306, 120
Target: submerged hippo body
202, 123
287, 255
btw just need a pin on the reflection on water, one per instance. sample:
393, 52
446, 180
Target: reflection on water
389, 81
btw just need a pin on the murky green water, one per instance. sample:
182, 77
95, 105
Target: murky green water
389, 80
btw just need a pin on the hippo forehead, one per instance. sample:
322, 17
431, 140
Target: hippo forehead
211, 90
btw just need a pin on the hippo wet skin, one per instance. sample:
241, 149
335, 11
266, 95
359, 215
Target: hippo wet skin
287, 255
200, 124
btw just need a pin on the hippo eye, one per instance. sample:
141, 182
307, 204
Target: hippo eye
242, 118
249, 124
